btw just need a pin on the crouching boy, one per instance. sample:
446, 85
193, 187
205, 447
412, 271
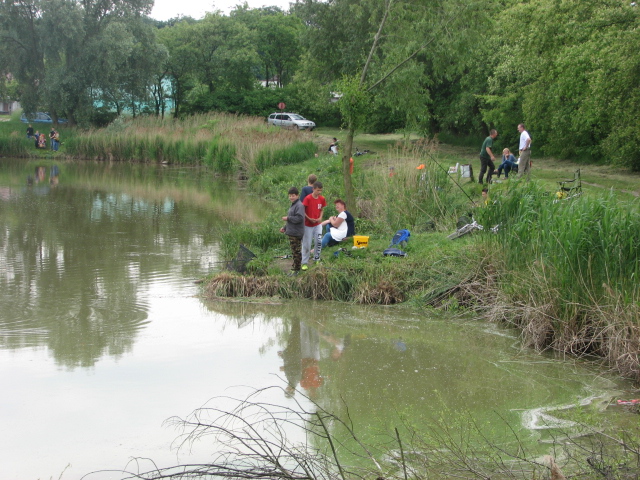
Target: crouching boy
294, 228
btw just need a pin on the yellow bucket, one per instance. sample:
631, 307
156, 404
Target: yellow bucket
360, 241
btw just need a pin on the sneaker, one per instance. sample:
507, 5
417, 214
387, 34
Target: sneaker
293, 273
304, 267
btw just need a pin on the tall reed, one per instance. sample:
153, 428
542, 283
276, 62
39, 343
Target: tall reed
14, 146
224, 141
288, 155
592, 245
572, 265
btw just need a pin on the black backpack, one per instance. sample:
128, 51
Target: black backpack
351, 225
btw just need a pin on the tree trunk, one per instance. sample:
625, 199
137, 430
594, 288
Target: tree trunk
346, 172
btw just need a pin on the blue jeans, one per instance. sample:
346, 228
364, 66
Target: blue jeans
507, 167
328, 241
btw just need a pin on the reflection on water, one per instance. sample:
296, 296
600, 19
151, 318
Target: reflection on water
77, 262
103, 337
379, 365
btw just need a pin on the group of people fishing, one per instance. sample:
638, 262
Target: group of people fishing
304, 224
40, 139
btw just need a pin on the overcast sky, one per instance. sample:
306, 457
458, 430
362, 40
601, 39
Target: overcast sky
166, 9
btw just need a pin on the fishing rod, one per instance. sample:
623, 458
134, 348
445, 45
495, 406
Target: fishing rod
454, 180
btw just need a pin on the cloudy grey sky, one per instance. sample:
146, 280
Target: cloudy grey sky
166, 9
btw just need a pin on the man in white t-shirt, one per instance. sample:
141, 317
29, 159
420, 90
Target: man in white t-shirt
524, 167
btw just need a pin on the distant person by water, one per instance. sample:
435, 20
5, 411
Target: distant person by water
42, 141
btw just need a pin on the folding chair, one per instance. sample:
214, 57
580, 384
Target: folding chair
570, 188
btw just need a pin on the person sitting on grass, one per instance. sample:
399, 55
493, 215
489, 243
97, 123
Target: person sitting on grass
339, 226
42, 141
333, 148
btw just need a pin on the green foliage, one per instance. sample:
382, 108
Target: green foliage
277, 41
568, 72
355, 103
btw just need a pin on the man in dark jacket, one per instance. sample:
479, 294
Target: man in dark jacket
294, 228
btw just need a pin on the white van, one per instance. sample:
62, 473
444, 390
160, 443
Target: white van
290, 120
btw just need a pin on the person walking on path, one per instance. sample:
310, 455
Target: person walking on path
524, 167
294, 228
487, 157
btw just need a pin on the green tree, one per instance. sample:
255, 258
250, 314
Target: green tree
65, 54
20, 48
180, 65
225, 53
570, 71
276, 36
386, 53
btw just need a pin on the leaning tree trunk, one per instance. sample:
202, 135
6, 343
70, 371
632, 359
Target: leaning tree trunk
346, 172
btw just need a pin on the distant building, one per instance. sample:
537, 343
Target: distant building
273, 82
8, 106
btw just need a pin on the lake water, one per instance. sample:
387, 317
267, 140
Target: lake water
103, 335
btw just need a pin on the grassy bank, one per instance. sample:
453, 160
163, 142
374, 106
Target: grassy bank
564, 272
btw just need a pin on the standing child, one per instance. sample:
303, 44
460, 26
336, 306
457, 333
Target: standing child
313, 206
306, 190
294, 228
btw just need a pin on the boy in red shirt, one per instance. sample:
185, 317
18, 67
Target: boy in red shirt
313, 207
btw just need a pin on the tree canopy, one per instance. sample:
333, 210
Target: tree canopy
569, 69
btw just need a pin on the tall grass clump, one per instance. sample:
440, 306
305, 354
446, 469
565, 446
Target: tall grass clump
574, 264
403, 196
14, 144
289, 155
261, 236
224, 141
221, 156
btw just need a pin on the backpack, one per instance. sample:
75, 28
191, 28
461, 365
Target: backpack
400, 238
351, 224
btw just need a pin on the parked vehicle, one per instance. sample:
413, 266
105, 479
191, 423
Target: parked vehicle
290, 120
40, 117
